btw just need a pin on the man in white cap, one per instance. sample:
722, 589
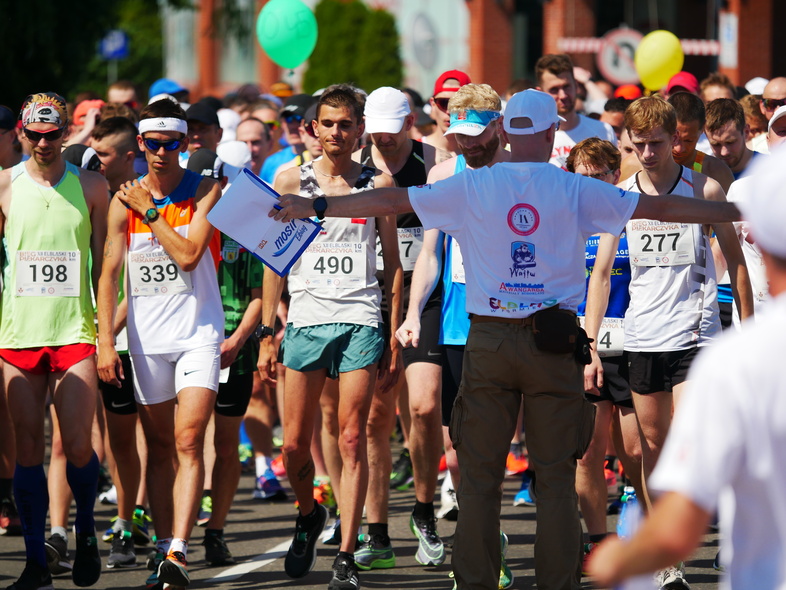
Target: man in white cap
388, 120
723, 453
523, 342
772, 97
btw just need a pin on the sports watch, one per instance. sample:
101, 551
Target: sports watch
150, 216
263, 331
320, 206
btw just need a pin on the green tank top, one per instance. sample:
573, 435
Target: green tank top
46, 299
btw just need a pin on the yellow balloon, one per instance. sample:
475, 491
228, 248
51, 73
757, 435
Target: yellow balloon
658, 57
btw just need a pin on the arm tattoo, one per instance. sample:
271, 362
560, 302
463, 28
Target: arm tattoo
108, 247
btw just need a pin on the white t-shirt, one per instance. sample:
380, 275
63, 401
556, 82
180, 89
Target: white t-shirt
740, 190
522, 229
565, 140
725, 449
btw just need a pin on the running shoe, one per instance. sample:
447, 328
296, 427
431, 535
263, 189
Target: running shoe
87, 561
216, 551
611, 481
57, 555
104, 480
506, 576
122, 553
109, 496
246, 456
323, 493
10, 525
302, 554
205, 510
517, 461
332, 534
154, 560
525, 496
268, 488
671, 578
34, 577
401, 476
173, 570
588, 548
110, 532
374, 554
345, 574
431, 550
141, 523
717, 565
277, 465
448, 509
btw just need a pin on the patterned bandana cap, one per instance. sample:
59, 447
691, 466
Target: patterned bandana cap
44, 107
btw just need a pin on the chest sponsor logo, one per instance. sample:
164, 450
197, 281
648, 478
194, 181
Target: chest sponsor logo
523, 219
522, 288
522, 255
230, 251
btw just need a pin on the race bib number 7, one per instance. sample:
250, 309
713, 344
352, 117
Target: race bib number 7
656, 243
41, 273
156, 273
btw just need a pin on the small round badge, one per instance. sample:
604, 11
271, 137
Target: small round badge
523, 219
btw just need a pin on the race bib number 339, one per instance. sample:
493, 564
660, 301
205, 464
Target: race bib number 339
156, 273
341, 265
41, 273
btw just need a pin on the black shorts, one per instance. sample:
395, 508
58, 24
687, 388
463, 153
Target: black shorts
120, 400
429, 349
452, 365
615, 383
234, 395
650, 372
726, 309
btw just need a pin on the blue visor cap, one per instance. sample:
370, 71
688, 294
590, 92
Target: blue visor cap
471, 122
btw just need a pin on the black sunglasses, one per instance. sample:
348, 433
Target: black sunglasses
36, 136
773, 103
442, 103
154, 145
290, 117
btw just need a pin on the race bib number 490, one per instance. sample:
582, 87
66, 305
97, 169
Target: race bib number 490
156, 273
657, 243
341, 265
41, 273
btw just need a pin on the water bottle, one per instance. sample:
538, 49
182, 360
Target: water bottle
629, 521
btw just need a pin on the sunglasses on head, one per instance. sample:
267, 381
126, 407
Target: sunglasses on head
36, 136
154, 145
773, 103
290, 117
442, 103
272, 125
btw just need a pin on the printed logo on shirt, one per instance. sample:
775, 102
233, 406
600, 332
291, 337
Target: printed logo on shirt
511, 306
523, 256
522, 288
523, 219
230, 251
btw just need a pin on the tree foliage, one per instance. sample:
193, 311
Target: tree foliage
356, 45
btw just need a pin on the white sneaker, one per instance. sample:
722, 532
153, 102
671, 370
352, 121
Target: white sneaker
109, 496
671, 578
448, 505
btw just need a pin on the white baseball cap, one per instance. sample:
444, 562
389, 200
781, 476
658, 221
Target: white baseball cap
779, 112
765, 207
756, 85
529, 112
386, 109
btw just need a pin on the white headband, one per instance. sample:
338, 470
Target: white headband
163, 124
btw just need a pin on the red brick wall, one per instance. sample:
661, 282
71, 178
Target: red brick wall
569, 18
755, 40
491, 42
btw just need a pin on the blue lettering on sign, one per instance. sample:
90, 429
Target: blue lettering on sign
288, 236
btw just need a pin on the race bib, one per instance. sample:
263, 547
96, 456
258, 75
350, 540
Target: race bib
457, 265
410, 243
658, 243
156, 273
45, 273
341, 265
611, 337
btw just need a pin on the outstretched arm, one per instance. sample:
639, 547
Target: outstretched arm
379, 202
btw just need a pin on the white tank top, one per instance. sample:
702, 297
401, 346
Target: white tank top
673, 291
334, 280
170, 310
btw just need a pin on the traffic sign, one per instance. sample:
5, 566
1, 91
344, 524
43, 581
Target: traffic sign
114, 45
615, 57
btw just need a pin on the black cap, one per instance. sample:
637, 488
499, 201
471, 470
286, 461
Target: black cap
211, 101
203, 113
82, 156
311, 114
205, 162
298, 105
7, 118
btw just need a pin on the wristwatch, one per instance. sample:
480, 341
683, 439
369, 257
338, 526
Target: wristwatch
320, 206
150, 216
263, 331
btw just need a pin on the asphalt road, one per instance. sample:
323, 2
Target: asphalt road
258, 535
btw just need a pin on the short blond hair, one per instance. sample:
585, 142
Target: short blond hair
476, 97
649, 112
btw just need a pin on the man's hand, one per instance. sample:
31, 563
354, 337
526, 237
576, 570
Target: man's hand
292, 207
389, 368
267, 361
603, 564
593, 374
229, 351
135, 196
409, 332
110, 367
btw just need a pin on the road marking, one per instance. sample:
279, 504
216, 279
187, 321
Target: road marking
256, 562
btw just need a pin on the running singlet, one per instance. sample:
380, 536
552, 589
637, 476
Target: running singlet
673, 295
455, 319
170, 310
611, 334
333, 281
46, 299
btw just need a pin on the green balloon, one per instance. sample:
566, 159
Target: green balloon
287, 31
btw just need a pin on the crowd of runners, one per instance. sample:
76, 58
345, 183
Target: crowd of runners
510, 284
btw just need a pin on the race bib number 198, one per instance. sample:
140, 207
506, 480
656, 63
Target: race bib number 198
41, 273
156, 273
